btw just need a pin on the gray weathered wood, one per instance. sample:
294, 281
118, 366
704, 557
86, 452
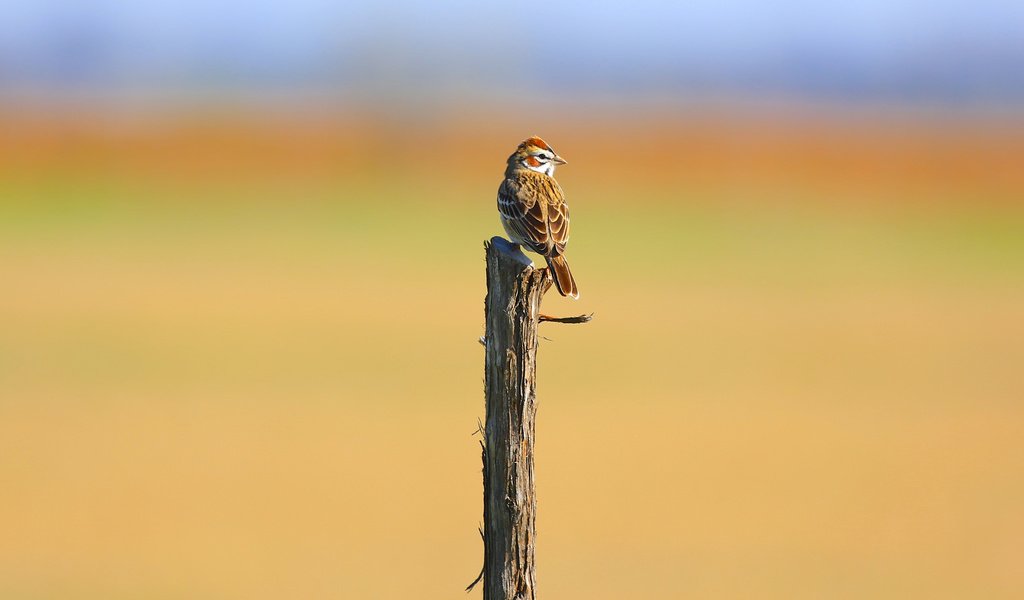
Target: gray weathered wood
514, 290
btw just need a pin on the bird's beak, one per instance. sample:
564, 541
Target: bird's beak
558, 160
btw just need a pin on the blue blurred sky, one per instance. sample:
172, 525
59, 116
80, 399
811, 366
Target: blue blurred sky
946, 51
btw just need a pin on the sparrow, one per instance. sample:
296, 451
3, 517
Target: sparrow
533, 209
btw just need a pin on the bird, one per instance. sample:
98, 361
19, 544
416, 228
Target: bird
533, 210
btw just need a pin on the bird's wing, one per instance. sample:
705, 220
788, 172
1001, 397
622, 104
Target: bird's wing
558, 217
525, 213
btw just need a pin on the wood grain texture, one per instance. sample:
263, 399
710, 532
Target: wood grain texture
514, 291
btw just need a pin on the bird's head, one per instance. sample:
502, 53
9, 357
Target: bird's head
535, 154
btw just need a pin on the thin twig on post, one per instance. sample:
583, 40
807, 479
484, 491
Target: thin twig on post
514, 292
577, 319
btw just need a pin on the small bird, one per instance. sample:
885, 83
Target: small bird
533, 209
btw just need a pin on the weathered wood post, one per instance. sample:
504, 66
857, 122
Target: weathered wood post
514, 291
512, 309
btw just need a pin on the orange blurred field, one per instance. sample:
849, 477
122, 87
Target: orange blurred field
891, 156
238, 359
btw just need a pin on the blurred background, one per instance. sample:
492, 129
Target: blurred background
243, 280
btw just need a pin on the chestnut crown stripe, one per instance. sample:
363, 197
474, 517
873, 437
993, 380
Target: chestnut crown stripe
536, 141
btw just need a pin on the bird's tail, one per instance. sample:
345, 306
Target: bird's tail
563, 276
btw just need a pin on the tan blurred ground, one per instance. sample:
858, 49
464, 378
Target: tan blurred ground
238, 359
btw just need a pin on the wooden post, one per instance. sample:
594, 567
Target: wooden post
512, 313
512, 308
